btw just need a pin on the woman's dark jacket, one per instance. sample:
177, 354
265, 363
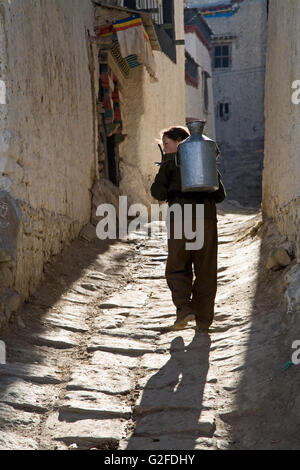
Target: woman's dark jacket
167, 187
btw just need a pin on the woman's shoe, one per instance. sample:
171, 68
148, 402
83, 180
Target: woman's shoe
180, 323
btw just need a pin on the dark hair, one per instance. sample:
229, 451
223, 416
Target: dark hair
176, 133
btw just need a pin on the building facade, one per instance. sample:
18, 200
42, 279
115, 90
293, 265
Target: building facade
148, 104
238, 57
198, 70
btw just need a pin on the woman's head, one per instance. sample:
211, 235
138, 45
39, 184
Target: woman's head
172, 137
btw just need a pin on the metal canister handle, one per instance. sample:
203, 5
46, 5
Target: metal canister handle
161, 151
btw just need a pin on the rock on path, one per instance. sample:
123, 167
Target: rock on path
92, 362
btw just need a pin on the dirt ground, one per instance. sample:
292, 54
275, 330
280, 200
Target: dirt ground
91, 363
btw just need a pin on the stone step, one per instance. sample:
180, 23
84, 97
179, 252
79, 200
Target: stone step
58, 338
176, 422
119, 345
17, 419
107, 360
13, 441
128, 299
86, 433
114, 380
168, 442
36, 373
26, 396
95, 404
66, 321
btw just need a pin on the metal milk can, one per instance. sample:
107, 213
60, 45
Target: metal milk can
198, 160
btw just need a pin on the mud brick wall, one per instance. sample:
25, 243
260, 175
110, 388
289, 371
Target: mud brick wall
47, 145
281, 176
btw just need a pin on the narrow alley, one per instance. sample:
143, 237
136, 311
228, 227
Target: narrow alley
111, 108
92, 364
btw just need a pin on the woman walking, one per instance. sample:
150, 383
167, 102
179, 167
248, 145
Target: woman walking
193, 293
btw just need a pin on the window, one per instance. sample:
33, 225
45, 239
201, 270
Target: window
222, 54
223, 111
154, 7
130, 4
191, 71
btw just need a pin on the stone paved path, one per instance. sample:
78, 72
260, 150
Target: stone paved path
91, 365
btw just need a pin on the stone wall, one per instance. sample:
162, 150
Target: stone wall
281, 175
48, 139
51, 174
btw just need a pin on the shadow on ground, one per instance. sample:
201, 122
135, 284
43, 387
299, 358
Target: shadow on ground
170, 409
